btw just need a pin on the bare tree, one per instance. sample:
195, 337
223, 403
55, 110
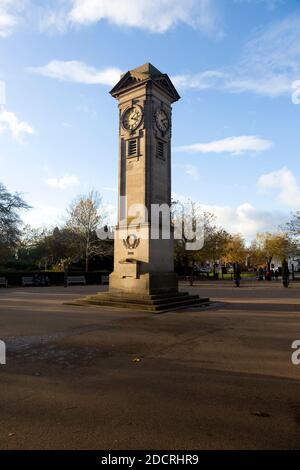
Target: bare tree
293, 226
84, 220
191, 214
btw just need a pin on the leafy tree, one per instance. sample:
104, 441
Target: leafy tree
48, 248
10, 221
235, 250
216, 244
30, 250
267, 245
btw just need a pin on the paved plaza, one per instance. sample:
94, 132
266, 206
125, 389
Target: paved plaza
101, 378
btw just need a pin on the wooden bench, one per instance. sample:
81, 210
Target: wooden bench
28, 281
75, 280
3, 281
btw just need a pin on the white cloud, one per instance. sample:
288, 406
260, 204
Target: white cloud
243, 218
42, 215
269, 85
269, 64
10, 122
109, 211
65, 182
156, 16
247, 220
10, 11
110, 189
191, 171
53, 20
235, 82
275, 49
75, 71
200, 81
233, 145
285, 181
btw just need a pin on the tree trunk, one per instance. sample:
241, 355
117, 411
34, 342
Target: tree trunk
87, 246
86, 262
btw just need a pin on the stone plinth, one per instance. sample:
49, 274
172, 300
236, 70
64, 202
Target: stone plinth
156, 303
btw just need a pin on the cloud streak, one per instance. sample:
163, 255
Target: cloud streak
269, 64
78, 72
65, 182
233, 145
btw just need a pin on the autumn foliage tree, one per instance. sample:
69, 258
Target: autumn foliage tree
235, 250
267, 245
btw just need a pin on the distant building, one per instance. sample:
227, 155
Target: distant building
293, 260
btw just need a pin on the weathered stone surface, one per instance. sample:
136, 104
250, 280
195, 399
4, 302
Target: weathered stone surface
143, 262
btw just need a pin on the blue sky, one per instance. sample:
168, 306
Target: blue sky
235, 63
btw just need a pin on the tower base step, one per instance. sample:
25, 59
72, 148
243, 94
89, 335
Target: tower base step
156, 303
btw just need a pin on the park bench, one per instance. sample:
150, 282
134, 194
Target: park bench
28, 281
75, 280
3, 282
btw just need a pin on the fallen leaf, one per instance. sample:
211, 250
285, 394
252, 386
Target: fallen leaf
136, 359
261, 414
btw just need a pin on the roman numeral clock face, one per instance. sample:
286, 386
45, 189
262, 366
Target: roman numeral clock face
162, 120
132, 118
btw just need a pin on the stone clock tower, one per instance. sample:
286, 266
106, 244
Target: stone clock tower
143, 276
143, 262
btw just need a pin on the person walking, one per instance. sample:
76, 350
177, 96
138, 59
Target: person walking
285, 273
260, 274
237, 274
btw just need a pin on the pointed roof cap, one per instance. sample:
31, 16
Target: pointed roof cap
147, 69
145, 73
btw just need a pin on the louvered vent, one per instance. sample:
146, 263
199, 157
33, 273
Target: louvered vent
160, 150
132, 147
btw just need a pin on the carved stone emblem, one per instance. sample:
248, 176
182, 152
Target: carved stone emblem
131, 242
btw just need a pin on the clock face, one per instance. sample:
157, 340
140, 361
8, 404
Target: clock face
132, 118
162, 120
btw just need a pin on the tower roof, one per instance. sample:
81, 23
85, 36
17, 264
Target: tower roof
148, 70
142, 74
